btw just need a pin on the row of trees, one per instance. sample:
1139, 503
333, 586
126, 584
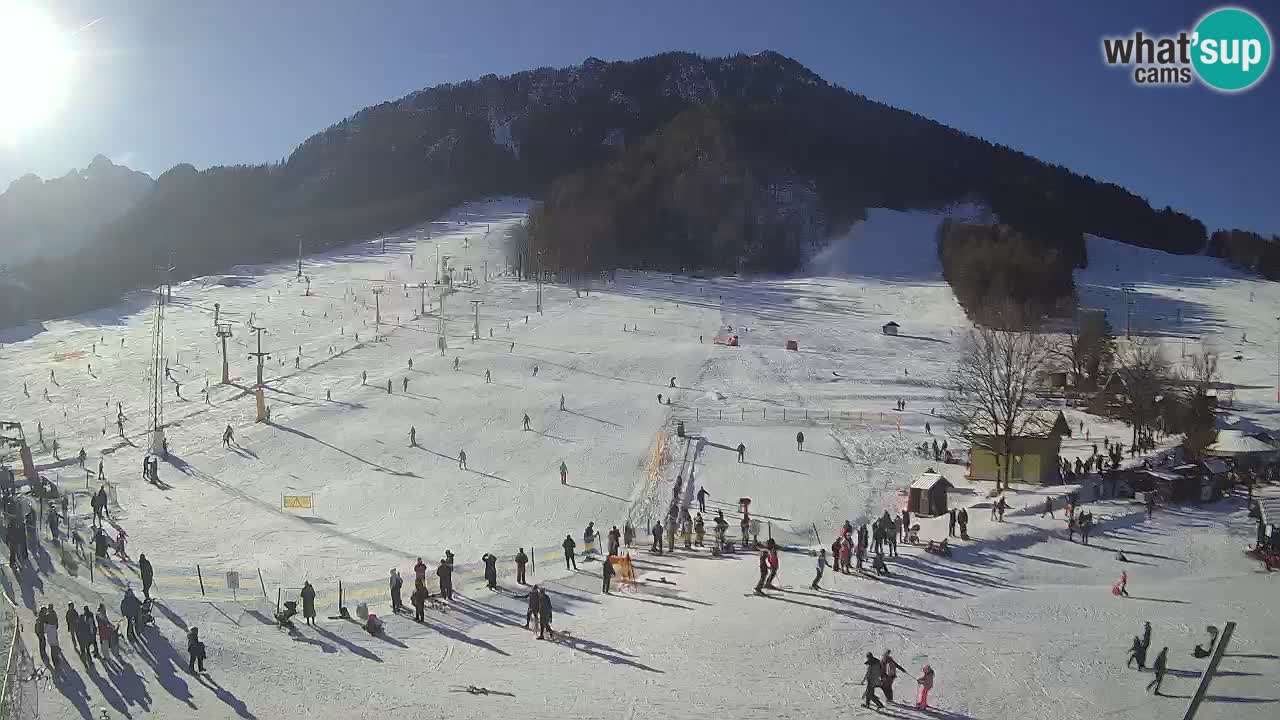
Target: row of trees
993, 391
999, 266
1248, 251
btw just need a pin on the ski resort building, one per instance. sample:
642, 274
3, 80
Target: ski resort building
1033, 459
928, 494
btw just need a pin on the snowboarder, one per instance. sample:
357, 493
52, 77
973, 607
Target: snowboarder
564, 473
490, 570
521, 560
872, 680
147, 573
742, 452
308, 596
396, 583
413, 436
822, 564
925, 681
1160, 666
800, 442
195, 650
462, 459
570, 561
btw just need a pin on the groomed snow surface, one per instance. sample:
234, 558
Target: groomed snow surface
1018, 624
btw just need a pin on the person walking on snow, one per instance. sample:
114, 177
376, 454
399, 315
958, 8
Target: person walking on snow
800, 442
195, 650
673, 381
308, 596
462, 459
871, 678
130, 606
531, 612
404, 385
444, 571
656, 532
1048, 507
628, 534
888, 673
544, 615
564, 473
413, 436
822, 565
570, 561
455, 364
1160, 666
488, 377
773, 564
388, 386
764, 571
702, 498
396, 582
521, 561
228, 436
526, 421
419, 600
490, 570
561, 403
147, 573
1121, 588
742, 452
615, 540
606, 574
951, 523
699, 529
925, 681
1137, 653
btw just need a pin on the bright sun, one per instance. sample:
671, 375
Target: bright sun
35, 68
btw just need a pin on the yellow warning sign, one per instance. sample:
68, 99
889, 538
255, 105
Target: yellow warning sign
297, 502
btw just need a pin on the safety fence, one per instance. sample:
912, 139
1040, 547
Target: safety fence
773, 414
19, 686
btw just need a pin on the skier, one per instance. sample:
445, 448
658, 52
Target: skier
404, 385
570, 561
413, 436
822, 564
195, 650
526, 421
364, 377
147, 573
396, 583
534, 606
490, 570
888, 673
521, 561
462, 459
535, 371
872, 680
925, 681
764, 571
800, 442
742, 452
564, 473
308, 596
410, 363
1160, 666
606, 574
773, 565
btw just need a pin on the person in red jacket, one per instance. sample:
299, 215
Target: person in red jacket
773, 565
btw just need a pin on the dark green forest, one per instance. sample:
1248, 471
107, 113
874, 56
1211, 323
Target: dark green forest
673, 161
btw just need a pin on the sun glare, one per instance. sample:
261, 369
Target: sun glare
35, 68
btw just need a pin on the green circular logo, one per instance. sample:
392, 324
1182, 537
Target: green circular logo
1231, 49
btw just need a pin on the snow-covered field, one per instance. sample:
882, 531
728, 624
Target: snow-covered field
1018, 624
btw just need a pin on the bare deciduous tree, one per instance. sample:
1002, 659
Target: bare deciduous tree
1199, 374
1145, 372
991, 396
1087, 349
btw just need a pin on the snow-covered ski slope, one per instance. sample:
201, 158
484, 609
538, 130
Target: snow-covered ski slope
1018, 624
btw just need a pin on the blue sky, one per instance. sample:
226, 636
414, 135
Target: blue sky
160, 83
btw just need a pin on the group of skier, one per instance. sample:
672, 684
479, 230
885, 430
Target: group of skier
882, 672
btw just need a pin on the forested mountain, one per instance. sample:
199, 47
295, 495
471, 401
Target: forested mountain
51, 218
796, 155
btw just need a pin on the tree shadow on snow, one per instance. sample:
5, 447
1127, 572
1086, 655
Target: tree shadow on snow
350, 646
374, 465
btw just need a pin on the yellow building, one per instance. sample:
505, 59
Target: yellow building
1033, 459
